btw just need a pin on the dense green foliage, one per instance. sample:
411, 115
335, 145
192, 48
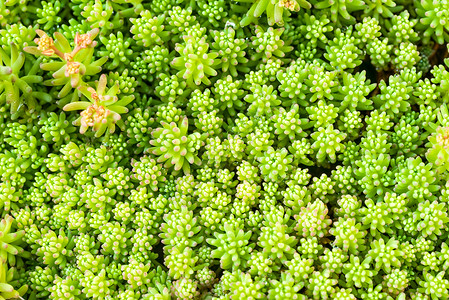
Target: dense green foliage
224, 149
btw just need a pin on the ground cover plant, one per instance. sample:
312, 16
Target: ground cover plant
224, 149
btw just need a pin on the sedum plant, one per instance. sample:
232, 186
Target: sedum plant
103, 110
16, 89
274, 9
211, 149
74, 64
174, 146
